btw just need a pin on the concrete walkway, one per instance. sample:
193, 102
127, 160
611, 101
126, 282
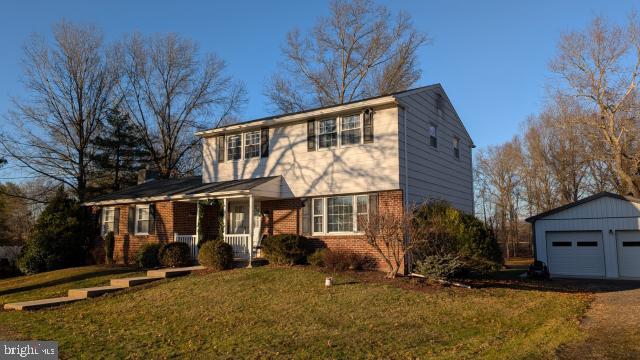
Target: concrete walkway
115, 285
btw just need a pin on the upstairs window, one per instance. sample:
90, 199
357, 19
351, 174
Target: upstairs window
456, 147
433, 135
327, 134
252, 144
350, 130
234, 147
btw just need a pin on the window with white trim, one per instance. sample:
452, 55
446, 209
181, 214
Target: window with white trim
142, 219
327, 133
234, 147
350, 129
456, 147
108, 220
433, 135
318, 215
252, 144
339, 214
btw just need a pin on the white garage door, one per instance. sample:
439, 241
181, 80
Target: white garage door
628, 243
575, 253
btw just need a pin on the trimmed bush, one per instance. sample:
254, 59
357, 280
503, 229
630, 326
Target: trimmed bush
217, 255
147, 257
284, 249
174, 254
346, 260
440, 266
109, 245
316, 258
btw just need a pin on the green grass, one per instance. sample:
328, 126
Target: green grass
278, 312
56, 283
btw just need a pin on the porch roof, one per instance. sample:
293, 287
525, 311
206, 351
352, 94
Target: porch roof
189, 188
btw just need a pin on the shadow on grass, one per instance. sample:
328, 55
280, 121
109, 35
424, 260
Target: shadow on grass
64, 280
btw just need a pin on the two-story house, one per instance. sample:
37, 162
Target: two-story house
313, 173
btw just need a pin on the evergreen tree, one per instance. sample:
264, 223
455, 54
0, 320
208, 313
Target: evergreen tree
58, 239
119, 155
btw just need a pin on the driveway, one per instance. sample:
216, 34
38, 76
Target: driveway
611, 327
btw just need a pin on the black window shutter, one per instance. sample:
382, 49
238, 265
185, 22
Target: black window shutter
116, 221
100, 220
220, 149
264, 142
311, 135
131, 220
152, 218
373, 204
367, 125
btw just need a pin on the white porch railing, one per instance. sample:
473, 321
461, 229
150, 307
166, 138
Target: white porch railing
241, 244
192, 241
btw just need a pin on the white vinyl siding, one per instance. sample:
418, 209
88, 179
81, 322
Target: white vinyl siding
108, 220
142, 220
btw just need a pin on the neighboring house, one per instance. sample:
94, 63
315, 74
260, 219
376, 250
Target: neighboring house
313, 173
596, 237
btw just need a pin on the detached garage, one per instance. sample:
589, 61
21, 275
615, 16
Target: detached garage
596, 237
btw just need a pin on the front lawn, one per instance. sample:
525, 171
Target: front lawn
287, 312
57, 283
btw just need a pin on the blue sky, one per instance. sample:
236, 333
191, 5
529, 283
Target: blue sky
490, 56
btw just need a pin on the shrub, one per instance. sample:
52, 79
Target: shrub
346, 260
316, 258
284, 249
147, 257
217, 255
109, 245
58, 237
440, 266
174, 254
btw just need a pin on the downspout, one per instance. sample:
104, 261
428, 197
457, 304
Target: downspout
407, 258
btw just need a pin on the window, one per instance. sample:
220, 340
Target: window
142, 219
108, 220
630, 243
327, 133
561, 243
433, 135
318, 211
239, 223
340, 214
456, 147
234, 147
252, 144
362, 211
350, 130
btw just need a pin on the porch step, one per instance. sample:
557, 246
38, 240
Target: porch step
39, 304
93, 291
134, 281
173, 272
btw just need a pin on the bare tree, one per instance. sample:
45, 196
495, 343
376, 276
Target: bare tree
70, 84
600, 67
357, 51
170, 90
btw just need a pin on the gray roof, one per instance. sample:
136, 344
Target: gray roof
185, 186
580, 202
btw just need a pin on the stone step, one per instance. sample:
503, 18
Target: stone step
173, 272
93, 291
39, 304
134, 281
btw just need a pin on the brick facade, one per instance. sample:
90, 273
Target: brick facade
281, 217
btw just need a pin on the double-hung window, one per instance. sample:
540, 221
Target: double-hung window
252, 144
234, 147
350, 129
108, 220
456, 147
340, 214
327, 133
142, 219
433, 135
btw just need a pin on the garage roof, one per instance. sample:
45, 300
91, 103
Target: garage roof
580, 202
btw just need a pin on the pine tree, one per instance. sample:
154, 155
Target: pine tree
120, 153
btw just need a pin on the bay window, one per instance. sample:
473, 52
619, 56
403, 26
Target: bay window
340, 214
